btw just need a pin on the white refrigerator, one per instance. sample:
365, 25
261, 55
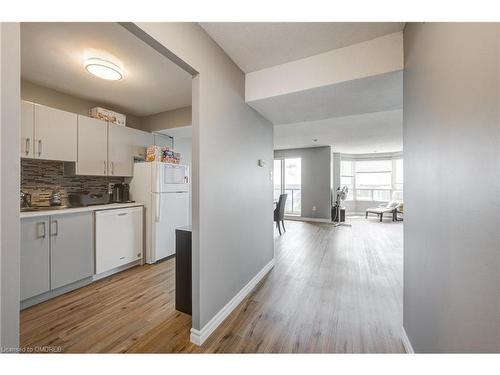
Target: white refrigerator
163, 188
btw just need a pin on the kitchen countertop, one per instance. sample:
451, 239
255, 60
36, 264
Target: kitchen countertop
71, 210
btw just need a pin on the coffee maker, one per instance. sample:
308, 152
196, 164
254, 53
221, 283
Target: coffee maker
121, 193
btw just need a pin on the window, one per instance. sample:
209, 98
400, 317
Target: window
287, 180
398, 179
373, 180
347, 177
363, 195
381, 195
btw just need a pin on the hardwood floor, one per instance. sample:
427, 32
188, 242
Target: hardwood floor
332, 290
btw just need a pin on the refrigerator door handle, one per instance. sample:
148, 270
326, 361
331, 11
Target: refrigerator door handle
158, 208
159, 177
155, 177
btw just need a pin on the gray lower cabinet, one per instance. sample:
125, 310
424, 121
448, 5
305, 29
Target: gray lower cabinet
35, 257
71, 248
56, 251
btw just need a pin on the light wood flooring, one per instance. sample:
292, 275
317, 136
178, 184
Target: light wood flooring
332, 290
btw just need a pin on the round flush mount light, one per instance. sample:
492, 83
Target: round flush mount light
103, 69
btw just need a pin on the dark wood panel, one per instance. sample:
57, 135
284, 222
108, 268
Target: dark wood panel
183, 294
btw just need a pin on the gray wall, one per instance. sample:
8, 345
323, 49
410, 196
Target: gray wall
316, 179
166, 120
451, 146
232, 196
335, 171
9, 184
43, 95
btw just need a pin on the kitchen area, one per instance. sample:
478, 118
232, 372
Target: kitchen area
101, 193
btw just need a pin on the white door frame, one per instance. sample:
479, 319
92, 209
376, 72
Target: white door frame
10, 126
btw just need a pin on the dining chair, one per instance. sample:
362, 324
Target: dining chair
279, 213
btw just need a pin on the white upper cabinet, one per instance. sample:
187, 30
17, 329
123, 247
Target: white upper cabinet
125, 144
140, 141
55, 134
99, 148
27, 129
92, 147
120, 151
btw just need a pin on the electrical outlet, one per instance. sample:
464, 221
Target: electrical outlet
314, 208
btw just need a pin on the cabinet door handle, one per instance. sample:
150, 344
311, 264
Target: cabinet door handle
28, 141
112, 168
41, 230
56, 232
39, 147
123, 214
105, 167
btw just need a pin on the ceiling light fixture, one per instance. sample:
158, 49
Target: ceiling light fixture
103, 69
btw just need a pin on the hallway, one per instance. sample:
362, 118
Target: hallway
332, 290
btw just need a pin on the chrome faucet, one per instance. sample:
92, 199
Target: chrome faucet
25, 199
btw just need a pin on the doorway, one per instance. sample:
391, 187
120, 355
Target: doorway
128, 286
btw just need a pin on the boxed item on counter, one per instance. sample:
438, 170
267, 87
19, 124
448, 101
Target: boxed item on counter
108, 115
154, 153
170, 156
163, 154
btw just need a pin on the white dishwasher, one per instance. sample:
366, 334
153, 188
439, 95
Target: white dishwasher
118, 238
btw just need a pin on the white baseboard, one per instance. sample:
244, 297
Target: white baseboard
198, 337
313, 219
406, 342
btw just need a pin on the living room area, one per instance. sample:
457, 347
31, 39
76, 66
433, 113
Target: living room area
339, 209
315, 184
375, 185
352, 267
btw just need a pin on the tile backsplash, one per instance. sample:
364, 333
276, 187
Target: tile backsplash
41, 177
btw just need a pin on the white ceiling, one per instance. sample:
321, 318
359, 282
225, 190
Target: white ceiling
359, 116
358, 134
353, 117
52, 55
378, 93
257, 45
